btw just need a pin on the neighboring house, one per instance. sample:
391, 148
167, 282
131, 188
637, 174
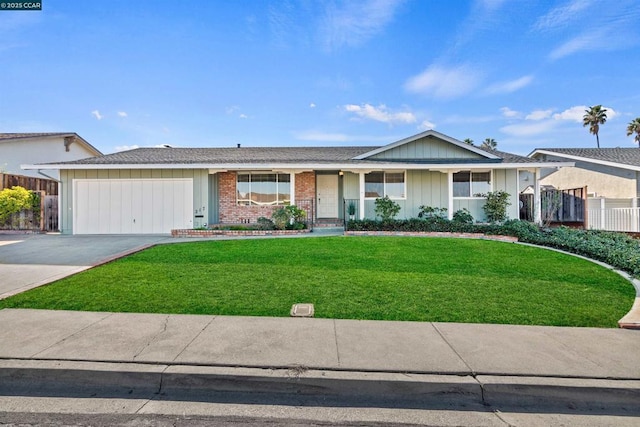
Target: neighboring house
154, 190
20, 148
612, 173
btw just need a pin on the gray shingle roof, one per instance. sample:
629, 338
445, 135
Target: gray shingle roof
625, 156
257, 155
226, 155
511, 158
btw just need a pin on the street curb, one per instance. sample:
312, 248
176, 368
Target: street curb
195, 383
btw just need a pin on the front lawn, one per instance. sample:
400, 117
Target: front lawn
382, 278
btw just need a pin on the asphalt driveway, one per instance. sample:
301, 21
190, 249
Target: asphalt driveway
31, 260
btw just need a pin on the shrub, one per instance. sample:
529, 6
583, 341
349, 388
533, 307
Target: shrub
431, 212
386, 208
289, 217
495, 208
265, 224
462, 216
14, 200
351, 209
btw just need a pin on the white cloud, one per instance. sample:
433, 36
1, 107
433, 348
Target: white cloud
126, 147
312, 105
560, 16
97, 114
510, 86
441, 82
577, 113
426, 125
380, 114
539, 115
122, 114
509, 113
232, 109
544, 121
594, 40
574, 114
350, 23
243, 116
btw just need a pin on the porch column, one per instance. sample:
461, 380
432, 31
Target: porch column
537, 207
361, 189
292, 184
450, 194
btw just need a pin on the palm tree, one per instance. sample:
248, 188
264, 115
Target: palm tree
634, 127
594, 117
468, 141
489, 144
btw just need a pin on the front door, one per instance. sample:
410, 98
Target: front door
327, 194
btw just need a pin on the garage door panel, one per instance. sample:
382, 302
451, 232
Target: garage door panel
132, 206
137, 191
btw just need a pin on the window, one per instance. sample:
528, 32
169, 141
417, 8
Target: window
380, 184
471, 184
263, 189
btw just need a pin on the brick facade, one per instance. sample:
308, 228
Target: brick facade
232, 213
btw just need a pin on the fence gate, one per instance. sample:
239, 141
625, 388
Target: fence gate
564, 206
50, 213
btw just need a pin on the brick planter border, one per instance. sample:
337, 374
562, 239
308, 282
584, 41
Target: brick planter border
236, 233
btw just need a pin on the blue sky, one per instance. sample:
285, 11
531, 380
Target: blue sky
286, 73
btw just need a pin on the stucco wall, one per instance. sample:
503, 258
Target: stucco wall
14, 153
605, 181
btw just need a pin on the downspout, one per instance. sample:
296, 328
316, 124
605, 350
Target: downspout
59, 195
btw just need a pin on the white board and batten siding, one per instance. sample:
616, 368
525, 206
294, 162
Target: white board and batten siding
133, 201
132, 206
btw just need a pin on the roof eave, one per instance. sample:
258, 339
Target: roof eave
302, 166
585, 159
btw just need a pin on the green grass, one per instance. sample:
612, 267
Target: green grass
384, 278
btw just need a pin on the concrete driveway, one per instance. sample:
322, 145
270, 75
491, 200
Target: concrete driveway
31, 260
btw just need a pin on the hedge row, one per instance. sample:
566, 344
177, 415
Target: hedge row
616, 249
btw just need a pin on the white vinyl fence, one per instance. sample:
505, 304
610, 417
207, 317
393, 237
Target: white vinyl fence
614, 214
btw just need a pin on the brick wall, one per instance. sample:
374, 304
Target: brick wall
232, 213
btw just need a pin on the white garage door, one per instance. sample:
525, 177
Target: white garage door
132, 206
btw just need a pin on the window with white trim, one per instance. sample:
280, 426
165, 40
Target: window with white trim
471, 184
380, 184
263, 189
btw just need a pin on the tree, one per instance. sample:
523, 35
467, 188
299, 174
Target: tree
594, 117
468, 141
489, 144
634, 127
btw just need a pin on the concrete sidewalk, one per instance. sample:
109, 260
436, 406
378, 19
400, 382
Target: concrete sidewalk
410, 362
